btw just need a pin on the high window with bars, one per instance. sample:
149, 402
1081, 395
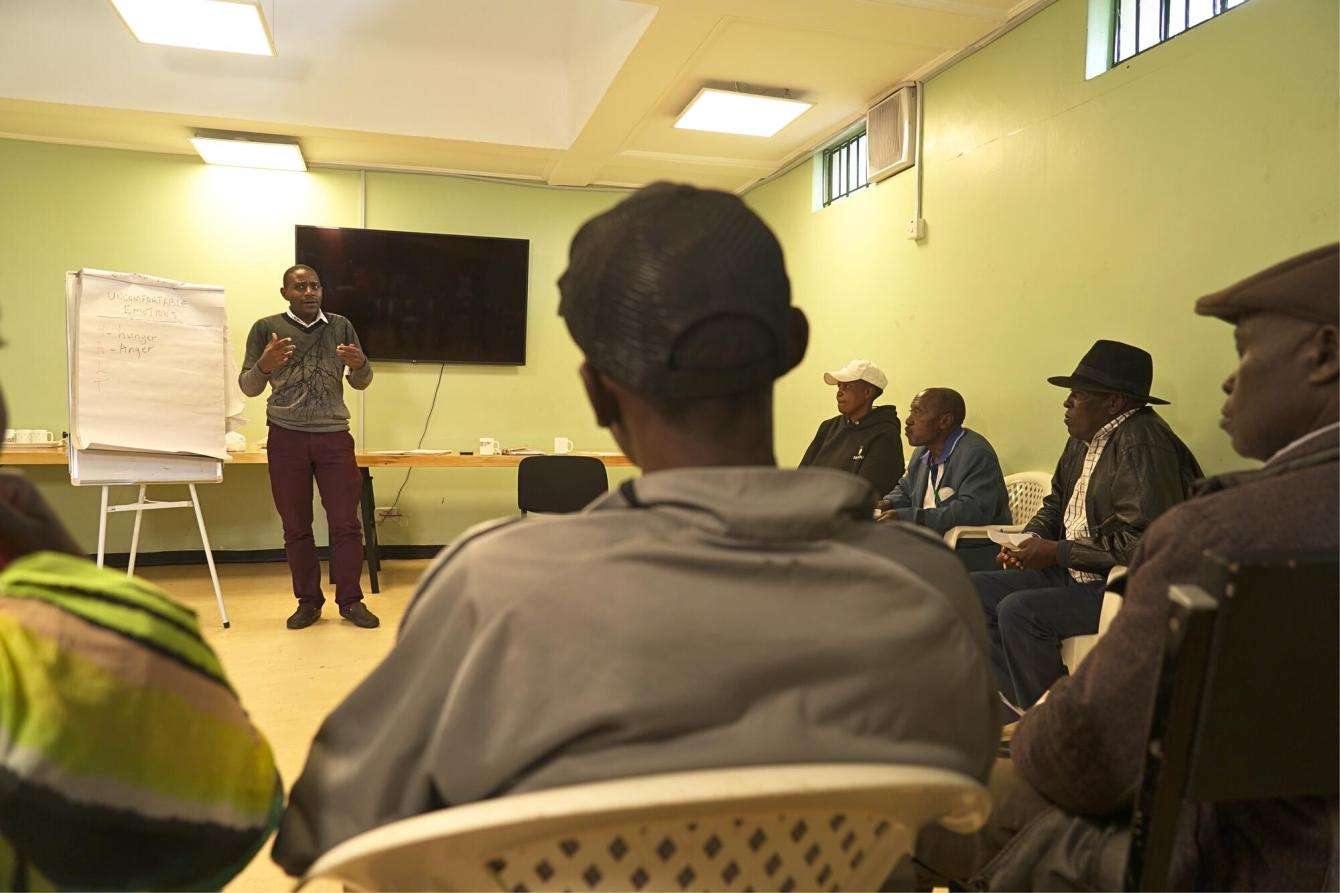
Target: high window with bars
1141, 24
844, 167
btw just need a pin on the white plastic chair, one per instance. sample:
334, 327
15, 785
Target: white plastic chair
1076, 648
1026, 490
825, 826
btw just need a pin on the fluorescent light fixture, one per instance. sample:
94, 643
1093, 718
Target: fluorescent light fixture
748, 114
280, 153
228, 26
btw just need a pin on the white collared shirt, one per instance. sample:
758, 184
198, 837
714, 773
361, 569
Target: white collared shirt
935, 471
1076, 517
320, 317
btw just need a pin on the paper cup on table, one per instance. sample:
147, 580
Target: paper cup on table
23, 435
489, 446
562, 445
10, 435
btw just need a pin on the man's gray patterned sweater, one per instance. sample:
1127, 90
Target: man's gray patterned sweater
307, 392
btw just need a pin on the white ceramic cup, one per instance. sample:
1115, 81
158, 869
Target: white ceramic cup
42, 435
11, 435
562, 445
24, 435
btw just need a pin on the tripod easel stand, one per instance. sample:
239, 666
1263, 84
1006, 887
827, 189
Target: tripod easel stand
143, 504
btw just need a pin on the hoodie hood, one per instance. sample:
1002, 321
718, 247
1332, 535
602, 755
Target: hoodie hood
877, 417
752, 502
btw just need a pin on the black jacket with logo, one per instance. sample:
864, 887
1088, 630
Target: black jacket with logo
871, 448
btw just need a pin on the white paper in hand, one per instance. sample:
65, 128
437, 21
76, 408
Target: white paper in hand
1011, 541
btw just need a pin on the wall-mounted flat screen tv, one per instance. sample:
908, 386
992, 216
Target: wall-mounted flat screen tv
424, 297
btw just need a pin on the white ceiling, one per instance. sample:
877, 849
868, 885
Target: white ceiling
435, 68
572, 92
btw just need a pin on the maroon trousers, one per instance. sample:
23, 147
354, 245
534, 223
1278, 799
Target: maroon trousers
295, 457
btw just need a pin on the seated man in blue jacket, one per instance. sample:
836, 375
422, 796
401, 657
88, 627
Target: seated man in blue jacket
953, 478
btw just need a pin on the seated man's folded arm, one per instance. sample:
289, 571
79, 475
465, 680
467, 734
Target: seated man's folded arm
900, 497
973, 504
1148, 483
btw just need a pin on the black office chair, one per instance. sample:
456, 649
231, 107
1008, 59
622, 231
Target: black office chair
1246, 707
559, 484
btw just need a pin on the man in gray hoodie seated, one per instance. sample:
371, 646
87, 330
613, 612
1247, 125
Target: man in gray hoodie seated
954, 478
717, 611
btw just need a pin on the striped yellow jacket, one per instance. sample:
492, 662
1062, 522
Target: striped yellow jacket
126, 760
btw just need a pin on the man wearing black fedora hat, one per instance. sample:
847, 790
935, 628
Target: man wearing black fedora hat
1122, 467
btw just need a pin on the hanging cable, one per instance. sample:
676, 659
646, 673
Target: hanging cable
431, 406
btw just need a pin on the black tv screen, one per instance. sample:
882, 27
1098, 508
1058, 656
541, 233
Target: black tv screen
424, 297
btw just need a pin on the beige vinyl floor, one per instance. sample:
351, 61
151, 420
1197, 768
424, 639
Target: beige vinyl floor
288, 680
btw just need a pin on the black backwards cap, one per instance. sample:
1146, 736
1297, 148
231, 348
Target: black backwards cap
679, 292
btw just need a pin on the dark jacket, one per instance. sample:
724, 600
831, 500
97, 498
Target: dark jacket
1144, 471
871, 448
970, 489
1083, 747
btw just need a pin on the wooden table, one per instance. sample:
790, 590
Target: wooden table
21, 455
18, 454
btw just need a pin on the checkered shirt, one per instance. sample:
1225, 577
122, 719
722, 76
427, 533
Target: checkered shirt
1076, 518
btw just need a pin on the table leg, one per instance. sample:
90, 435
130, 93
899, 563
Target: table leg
135, 537
102, 527
369, 502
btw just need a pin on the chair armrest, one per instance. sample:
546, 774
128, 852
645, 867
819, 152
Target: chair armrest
1112, 603
954, 534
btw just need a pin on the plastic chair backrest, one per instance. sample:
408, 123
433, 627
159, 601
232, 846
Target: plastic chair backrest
804, 827
1026, 490
1248, 699
559, 484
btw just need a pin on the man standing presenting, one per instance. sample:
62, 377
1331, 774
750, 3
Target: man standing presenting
303, 354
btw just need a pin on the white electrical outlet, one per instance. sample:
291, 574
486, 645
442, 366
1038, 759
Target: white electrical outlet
916, 229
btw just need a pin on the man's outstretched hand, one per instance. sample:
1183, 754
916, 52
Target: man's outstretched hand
278, 352
352, 355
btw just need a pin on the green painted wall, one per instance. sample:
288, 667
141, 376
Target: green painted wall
1062, 210
66, 207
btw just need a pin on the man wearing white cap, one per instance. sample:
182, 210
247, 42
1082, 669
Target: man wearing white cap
863, 439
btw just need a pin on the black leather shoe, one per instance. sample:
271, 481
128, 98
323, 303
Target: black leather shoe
305, 616
358, 614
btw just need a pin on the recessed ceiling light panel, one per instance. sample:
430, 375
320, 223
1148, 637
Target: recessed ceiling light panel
747, 114
249, 150
228, 26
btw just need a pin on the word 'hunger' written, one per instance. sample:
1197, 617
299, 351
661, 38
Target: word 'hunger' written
118, 339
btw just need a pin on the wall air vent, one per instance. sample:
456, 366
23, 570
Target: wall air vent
892, 128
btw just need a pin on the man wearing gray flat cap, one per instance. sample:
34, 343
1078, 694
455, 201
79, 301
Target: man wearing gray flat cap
1283, 408
717, 611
